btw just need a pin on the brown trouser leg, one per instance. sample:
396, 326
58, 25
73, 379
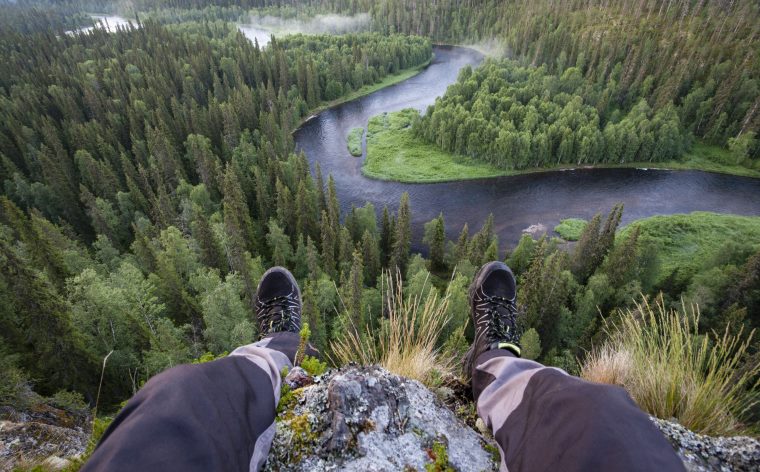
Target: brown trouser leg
545, 419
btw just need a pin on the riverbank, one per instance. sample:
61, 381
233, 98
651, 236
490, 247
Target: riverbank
389, 80
395, 154
686, 242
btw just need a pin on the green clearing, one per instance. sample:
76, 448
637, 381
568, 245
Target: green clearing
570, 229
354, 141
394, 153
695, 240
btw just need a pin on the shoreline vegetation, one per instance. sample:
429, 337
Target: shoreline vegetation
395, 154
354, 141
366, 90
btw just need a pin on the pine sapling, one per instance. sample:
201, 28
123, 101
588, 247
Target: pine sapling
305, 334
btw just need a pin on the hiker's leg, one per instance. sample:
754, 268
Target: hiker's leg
545, 419
213, 416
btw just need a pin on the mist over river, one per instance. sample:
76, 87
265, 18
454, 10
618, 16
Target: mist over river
516, 202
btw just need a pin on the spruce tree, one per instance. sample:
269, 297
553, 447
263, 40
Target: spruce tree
435, 237
403, 236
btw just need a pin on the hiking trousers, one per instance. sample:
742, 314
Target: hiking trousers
220, 416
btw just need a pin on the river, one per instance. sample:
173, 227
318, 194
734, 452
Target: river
112, 23
516, 202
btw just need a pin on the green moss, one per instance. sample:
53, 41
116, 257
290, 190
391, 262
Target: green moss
571, 228
303, 439
494, 451
394, 153
354, 141
440, 456
287, 399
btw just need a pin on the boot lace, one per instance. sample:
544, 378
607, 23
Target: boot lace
501, 315
279, 314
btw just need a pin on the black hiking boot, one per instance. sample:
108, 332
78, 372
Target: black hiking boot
278, 303
493, 310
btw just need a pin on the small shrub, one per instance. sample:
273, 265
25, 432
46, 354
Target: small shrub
672, 371
208, 357
15, 387
72, 402
530, 344
313, 366
354, 141
406, 342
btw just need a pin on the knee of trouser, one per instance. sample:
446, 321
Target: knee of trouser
599, 395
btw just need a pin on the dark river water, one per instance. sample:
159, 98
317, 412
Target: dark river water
516, 202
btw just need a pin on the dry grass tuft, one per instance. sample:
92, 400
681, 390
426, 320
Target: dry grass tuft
406, 342
671, 371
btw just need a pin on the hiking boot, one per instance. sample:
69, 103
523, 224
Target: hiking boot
493, 310
278, 302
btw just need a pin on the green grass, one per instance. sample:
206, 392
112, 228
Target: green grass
368, 89
394, 153
672, 371
570, 229
354, 141
704, 157
687, 242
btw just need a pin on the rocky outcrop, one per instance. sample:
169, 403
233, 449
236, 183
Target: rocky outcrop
706, 453
360, 419
41, 435
367, 419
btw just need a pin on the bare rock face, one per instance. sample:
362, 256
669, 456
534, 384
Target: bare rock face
43, 434
701, 453
367, 419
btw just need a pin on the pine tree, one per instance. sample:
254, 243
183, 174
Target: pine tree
312, 259
211, 252
403, 236
620, 265
237, 218
462, 251
371, 254
313, 316
584, 255
36, 323
329, 239
386, 238
279, 245
435, 237
356, 288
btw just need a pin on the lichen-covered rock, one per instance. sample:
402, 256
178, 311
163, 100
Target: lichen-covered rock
701, 453
297, 378
41, 434
367, 419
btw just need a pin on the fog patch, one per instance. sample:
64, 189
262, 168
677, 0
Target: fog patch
491, 47
331, 23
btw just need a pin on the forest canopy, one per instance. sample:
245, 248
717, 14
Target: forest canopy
149, 175
520, 117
